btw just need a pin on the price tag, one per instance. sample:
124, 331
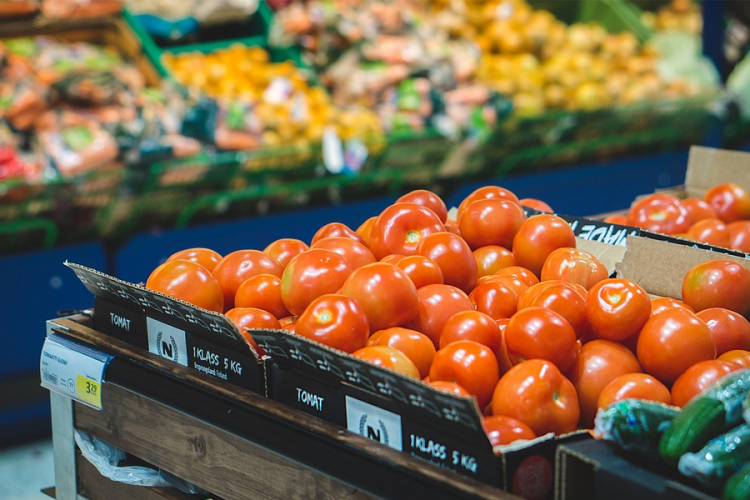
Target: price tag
73, 370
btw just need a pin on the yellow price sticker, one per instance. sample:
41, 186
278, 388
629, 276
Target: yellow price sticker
89, 391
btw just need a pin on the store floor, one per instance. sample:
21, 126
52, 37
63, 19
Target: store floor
25, 470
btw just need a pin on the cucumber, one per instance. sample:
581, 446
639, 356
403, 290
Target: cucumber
716, 409
737, 486
719, 458
634, 424
746, 408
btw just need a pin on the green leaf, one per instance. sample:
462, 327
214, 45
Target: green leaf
77, 138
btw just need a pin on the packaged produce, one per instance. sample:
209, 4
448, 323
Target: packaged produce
67, 9
721, 457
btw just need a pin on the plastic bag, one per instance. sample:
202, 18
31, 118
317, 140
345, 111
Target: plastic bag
206, 12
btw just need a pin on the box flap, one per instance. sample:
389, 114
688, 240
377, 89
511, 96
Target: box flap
609, 255
708, 166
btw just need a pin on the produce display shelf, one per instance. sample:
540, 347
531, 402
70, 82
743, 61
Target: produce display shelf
225, 440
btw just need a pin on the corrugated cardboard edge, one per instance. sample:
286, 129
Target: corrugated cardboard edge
709, 166
562, 454
609, 255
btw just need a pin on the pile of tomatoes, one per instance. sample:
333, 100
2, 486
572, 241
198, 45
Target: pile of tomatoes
721, 217
486, 302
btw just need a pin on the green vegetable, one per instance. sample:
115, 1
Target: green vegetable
24, 47
715, 410
737, 486
77, 138
719, 458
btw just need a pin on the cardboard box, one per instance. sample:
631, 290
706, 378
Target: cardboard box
205, 341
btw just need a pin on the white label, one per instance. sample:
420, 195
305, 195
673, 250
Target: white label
333, 151
373, 422
73, 370
167, 341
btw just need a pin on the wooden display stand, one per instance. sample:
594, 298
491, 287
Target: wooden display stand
231, 442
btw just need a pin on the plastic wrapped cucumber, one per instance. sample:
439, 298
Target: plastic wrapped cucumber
737, 486
721, 457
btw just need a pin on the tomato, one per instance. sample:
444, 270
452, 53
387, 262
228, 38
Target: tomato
736, 357
393, 258
356, 253
514, 282
451, 387
671, 342
697, 377
336, 321
739, 235
401, 227
536, 205
730, 330
365, 228
659, 304
471, 365
420, 270
496, 299
204, 256
189, 281
284, 249
538, 394
661, 213
262, 291
485, 193
575, 266
523, 274
560, 297
249, 318
502, 430
634, 386
385, 292
437, 303
492, 258
617, 308
697, 209
335, 230
537, 332
309, 275
240, 265
599, 362
417, 346
621, 219
452, 227
710, 231
471, 325
503, 360
388, 357
537, 237
730, 201
427, 199
717, 283
491, 222
454, 257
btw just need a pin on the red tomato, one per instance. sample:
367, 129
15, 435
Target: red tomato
420, 270
356, 253
365, 228
503, 360
536, 332
284, 249
730, 330
710, 231
560, 297
401, 227
575, 266
599, 363
634, 386
451, 387
393, 258
336, 321
659, 212
527, 277
335, 230
437, 303
189, 281
491, 222
427, 199
452, 227
697, 377
671, 342
485, 193
739, 235
537, 394
659, 304
240, 265
717, 283
492, 258
471, 365
249, 318
496, 299
262, 291
617, 308
698, 209
737, 357
537, 237
621, 219
453, 256
471, 325
385, 292
417, 346
536, 205
204, 256
502, 430
309, 275
388, 357
730, 201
